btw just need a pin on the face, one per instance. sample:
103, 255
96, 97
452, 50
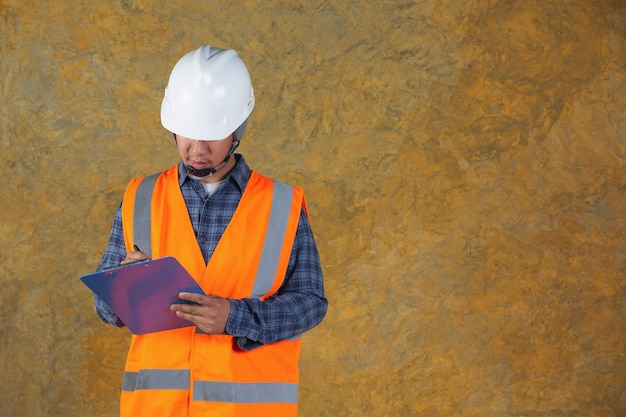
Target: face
202, 154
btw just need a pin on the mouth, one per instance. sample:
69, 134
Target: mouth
199, 164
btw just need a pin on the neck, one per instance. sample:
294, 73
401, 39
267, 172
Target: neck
221, 173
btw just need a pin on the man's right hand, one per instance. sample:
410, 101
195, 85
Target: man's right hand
134, 256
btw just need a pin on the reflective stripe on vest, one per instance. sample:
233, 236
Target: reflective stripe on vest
279, 217
242, 393
245, 393
142, 233
156, 379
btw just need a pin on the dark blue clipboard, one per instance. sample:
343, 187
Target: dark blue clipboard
141, 293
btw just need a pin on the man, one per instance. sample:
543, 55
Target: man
246, 240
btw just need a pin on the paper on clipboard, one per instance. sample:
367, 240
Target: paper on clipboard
140, 294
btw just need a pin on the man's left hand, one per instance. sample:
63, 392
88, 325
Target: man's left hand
209, 312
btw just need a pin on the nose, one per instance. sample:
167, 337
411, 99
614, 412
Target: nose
199, 147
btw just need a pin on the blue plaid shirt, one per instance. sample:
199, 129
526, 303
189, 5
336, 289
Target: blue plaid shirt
299, 304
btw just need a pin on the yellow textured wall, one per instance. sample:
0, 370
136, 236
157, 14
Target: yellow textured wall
464, 165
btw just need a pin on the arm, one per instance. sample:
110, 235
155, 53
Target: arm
113, 256
298, 305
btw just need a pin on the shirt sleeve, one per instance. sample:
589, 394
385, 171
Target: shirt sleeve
113, 255
297, 306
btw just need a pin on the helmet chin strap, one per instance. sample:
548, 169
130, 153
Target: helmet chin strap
207, 172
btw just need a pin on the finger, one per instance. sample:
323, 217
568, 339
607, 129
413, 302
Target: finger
186, 308
132, 257
194, 297
187, 316
188, 312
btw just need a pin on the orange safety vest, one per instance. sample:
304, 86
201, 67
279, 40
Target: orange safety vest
184, 372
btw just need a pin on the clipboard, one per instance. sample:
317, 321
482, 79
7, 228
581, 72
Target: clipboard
141, 293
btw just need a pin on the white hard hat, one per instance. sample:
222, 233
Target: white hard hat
208, 96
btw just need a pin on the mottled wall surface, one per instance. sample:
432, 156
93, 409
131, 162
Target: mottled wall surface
464, 166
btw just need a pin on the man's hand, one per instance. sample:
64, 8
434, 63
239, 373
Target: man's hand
134, 256
209, 312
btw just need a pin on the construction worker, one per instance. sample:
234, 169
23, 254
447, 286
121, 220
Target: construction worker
246, 240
